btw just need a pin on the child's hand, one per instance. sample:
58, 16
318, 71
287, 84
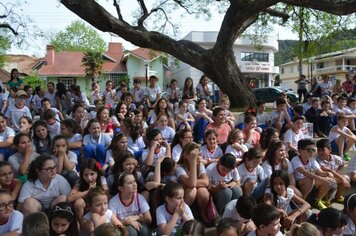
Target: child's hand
137, 225
92, 184
155, 144
160, 159
222, 185
180, 209
164, 143
192, 157
288, 221
29, 148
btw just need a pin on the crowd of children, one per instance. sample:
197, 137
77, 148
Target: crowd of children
132, 162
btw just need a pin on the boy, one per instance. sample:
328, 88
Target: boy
121, 91
308, 173
280, 116
11, 219
50, 94
262, 117
54, 127
36, 224
137, 92
153, 92
46, 105
333, 164
128, 99
16, 111
293, 135
267, 220
313, 116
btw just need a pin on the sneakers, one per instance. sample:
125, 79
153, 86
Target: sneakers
326, 203
339, 200
319, 204
347, 157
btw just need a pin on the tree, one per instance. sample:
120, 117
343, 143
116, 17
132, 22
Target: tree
78, 37
93, 63
218, 62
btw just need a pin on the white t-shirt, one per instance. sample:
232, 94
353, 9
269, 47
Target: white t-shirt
282, 202
201, 92
275, 114
108, 216
58, 186
170, 92
13, 223
167, 133
163, 217
176, 152
215, 177
37, 101
311, 166
110, 97
8, 133
51, 97
14, 114
72, 158
104, 139
152, 93
292, 137
230, 212
75, 138
136, 146
268, 168
208, 155
54, 129
137, 206
162, 152
256, 174
263, 118
138, 94
180, 171
235, 152
16, 160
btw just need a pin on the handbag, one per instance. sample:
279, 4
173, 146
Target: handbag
211, 211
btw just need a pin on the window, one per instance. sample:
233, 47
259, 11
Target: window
67, 81
282, 71
291, 69
250, 56
116, 78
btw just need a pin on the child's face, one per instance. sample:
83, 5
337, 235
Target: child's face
262, 108
342, 122
162, 104
220, 117
204, 81
20, 101
189, 83
316, 105
109, 86
6, 206
308, 151
122, 144
163, 121
29, 91
177, 200
123, 109
239, 138
281, 107
138, 118
279, 186
130, 184
158, 138
325, 106
2, 124
187, 138
341, 103
128, 99
202, 104
48, 170
41, 132
95, 130
60, 144
153, 82
252, 164
251, 125
223, 170
298, 124
65, 131
104, 115
23, 144
353, 105
60, 225
275, 136
211, 140
272, 228
50, 88
174, 85
99, 204
6, 175
183, 108
324, 152
90, 176
137, 85
280, 153
24, 125
225, 104
46, 105
129, 165
79, 113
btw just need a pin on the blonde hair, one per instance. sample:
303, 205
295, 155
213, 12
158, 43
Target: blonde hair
304, 229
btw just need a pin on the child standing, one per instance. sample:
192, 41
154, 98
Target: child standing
11, 220
153, 92
172, 214
62, 220
15, 111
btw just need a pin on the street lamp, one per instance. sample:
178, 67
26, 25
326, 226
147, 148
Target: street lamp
146, 68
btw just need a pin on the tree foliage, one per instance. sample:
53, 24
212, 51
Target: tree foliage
78, 37
34, 81
219, 62
93, 63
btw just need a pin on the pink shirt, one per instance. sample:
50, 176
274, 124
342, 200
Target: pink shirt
222, 131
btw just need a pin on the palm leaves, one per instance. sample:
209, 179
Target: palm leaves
93, 64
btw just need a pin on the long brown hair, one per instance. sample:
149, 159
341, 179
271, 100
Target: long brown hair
186, 150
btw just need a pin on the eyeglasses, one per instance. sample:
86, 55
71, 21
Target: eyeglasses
50, 169
10, 204
310, 150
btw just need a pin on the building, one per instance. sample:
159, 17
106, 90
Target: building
335, 64
257, 63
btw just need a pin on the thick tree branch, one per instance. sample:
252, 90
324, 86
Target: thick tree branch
277, 13
118, 10
336, 7
7, 26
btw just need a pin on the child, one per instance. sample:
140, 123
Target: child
220, 125
137, 92
80, 116
95, 93
183, 118
73, 135
267, 220
166, 131
181, 138
236, 144
6, 139
308, 173
350, 212
36, 224
54, 125
62, 220
109, 229
230, 118
193, 227
341, 138
16, 111
26, 125
204, 90
36, 101
313, 115
128, 100
11, 220
138, 120
23, 156
333, 164
98, 104
161, 109
210, 152
8, 180
109, 95
330, 221
46, 105
293, 135
105, 121
263, 119
131, 207
134, 136
189, 94
227, 226
174, 93
224, 181
281, 196
121, 112
66, 160
241, 210
90, 177
304, 229
41, 138
172, 214
153, 92
97, 200
280, 116
250, 133
202, 116
253, 178
95, 142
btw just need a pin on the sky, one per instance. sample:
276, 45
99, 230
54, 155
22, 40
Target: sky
52, 16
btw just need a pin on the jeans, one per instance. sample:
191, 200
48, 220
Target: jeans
224, 196
260, 189
98, 153
145, 230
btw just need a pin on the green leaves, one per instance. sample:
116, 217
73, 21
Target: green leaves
93, 63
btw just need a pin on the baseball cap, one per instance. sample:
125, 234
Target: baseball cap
21, 93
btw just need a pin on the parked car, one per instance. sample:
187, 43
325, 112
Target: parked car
270, 94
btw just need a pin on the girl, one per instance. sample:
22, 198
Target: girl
105, 121
220, 125
251, 135
155, 149
109, 229
95, 142
210, 152
161, 109
11, 220
267, 136
62, 220
23, 156
172, 214
7, 135
95, 92
183, 118
109, 95
118, 145
188, 94
121, 112
41, 138
253, 177
138, 120
66, 160
193, 227
202, 117
181, 138
53, 187
79, 115
350, 212
192, 175
72, 133
37, 98
281, 196
236, 144
97, 200
330, 221
227, 226
133, 132
90, 177
204, 90
63, 98
26, 125
15, 82
8, 181
173, 93
304, 229
131, 207
166, 131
